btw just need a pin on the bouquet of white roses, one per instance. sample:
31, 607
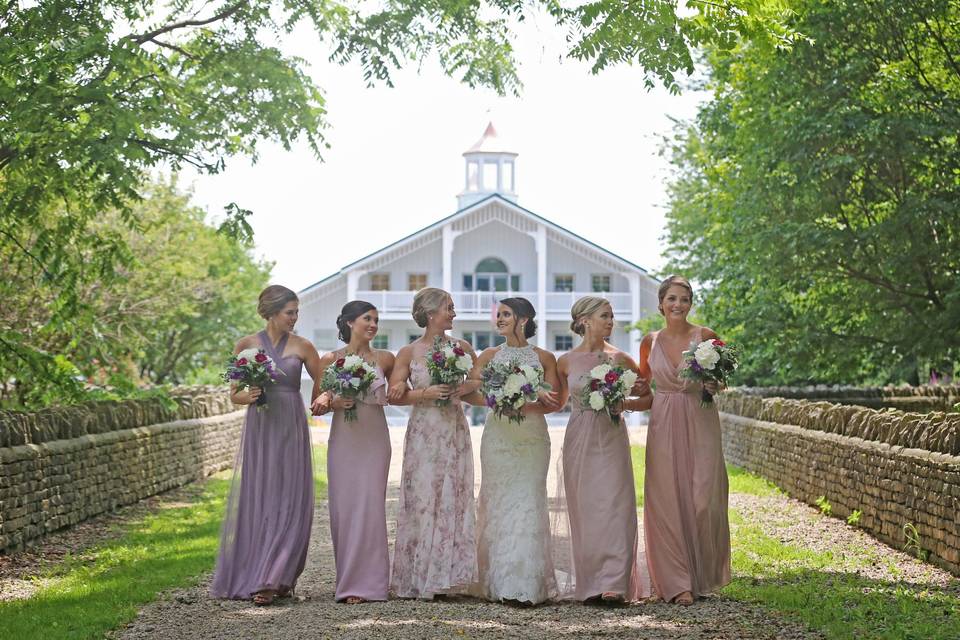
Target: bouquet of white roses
507, 386
448, 364
711, 360
252, 368
607, 387
350, 377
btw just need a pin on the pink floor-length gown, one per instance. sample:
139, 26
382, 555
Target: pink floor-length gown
358, 460
435, 551
600, 495
685, 489
263, 543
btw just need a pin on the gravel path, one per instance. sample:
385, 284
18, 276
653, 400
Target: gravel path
190, 613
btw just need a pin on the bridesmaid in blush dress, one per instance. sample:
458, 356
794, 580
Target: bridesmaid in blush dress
597, 469
358, 459
263, 544
685, 490
435, 551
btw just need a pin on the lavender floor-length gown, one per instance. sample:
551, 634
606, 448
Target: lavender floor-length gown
358, 460
685, 489
263, 544
600, 495
435, 551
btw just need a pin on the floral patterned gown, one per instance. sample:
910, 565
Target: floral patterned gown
435, 549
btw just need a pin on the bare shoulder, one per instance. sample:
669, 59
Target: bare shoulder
405, 354
247, 342
708, 334
546, 357
384, 358
487, 354
299, 342
647, 340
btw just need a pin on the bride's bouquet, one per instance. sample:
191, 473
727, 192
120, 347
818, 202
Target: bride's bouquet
350, 377
607, 387
507, 386
448, 364
711, 360
252, 368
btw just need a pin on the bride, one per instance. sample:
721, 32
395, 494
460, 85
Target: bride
513, 527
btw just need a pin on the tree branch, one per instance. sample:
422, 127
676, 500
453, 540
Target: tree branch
150, 35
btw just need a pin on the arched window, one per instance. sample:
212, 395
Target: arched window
491, 274
491, 265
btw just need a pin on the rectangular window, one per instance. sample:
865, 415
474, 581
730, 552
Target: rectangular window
483, 283
416, 281
600, 283
562, 343
468, 336
381, 341
380, 282
515, 283
468, 282
563, 282
488, 177
412, 337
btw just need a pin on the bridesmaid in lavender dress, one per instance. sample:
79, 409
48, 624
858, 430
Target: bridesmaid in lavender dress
263, 544
597, 470
358, 459
685, 489
435, 551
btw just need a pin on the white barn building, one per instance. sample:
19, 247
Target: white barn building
490, 248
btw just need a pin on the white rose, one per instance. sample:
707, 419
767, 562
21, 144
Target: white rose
513, 384
351, 361
354, 382
596, 401
628, 377
599, 371
448, 352
248, 354
464, 362
706, 355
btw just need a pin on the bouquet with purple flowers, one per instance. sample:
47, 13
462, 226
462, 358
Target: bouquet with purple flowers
252, 368
507, 386
350, 377
448, 364
709, 361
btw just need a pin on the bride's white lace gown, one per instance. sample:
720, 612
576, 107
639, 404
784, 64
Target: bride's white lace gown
513, 526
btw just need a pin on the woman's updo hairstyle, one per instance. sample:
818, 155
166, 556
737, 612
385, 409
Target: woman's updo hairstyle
522, 308
350, 312
427, 301
273, 299
678, 281
585, 306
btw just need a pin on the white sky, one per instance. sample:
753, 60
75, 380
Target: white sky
589, 158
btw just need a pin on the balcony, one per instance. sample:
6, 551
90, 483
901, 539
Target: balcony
482, 303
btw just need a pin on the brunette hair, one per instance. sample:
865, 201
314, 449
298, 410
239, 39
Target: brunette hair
350, 312
585, 306
672, 281
522, 308
428, 300
273, 299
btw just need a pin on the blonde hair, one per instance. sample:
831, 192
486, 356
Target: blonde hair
273, 299
585, 306
672, 281
427, 301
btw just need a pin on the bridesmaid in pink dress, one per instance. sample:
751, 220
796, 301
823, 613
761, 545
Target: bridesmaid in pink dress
435, 551
358, 460
685, 490
597, 469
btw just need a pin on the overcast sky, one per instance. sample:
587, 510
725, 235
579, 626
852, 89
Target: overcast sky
589, 159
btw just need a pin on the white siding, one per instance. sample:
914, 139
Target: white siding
496, 240
427, 259
562, 261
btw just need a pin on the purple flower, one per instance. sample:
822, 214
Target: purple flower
527, 388
696, 366
236, 375
491, 401
437, 357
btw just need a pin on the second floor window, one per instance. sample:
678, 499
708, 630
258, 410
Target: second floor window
562, 343
380, 341
380, 282
416, 281
600, 282
563, 282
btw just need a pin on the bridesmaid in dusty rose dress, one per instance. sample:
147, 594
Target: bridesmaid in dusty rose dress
685, 490
263, 544
435, 551
358, 459
597, 470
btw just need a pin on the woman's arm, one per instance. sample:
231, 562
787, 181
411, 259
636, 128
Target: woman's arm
547, 401
474, 397
469, 386
321, 402
250, 394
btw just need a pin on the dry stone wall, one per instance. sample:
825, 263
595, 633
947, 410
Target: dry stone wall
59, 467
923, 398
896, 468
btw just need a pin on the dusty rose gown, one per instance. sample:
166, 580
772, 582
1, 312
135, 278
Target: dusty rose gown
358, 460
435, 551
685, 489
600, 496
263, 543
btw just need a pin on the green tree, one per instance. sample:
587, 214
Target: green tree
817, 195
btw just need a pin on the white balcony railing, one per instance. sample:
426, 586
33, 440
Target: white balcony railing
483, 302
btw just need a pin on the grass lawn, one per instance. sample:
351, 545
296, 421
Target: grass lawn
821, 589
102, 588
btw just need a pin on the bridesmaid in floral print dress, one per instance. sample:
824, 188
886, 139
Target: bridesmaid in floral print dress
435, 552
